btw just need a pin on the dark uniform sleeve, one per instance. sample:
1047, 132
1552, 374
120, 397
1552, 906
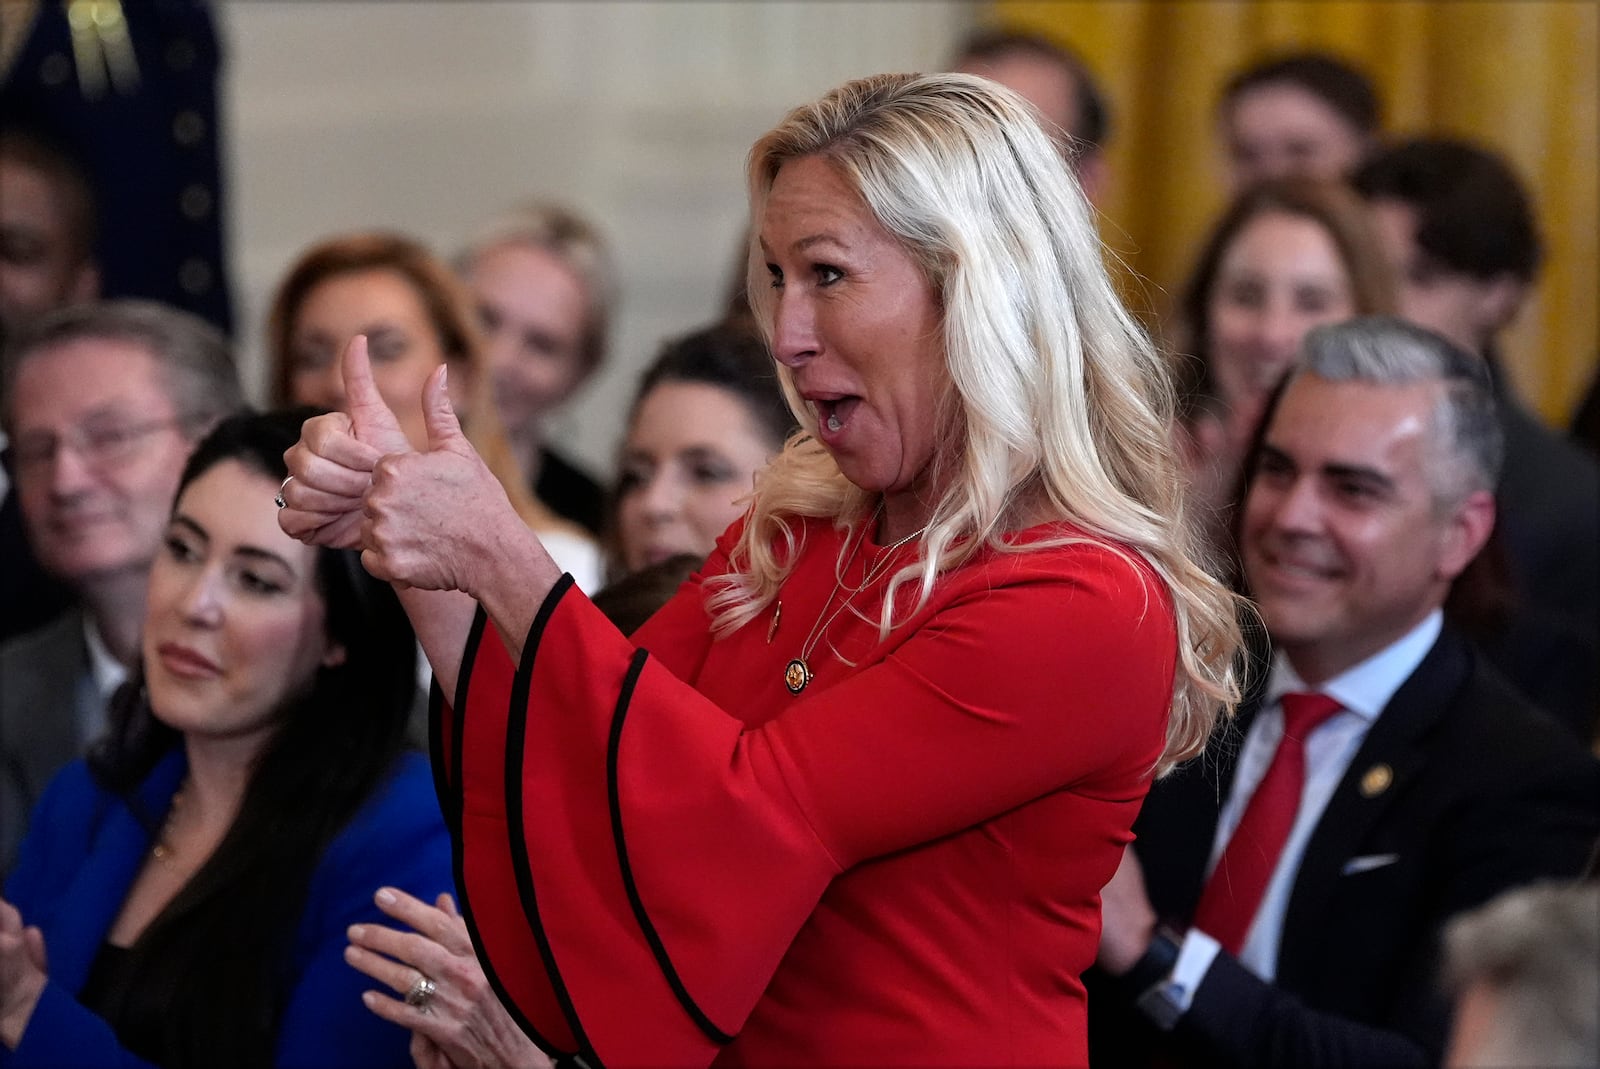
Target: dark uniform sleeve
141, 114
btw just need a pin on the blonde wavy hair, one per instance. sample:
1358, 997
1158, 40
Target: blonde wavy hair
1058, 402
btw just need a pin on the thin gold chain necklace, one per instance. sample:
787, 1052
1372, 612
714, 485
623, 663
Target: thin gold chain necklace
797, 673
162, 849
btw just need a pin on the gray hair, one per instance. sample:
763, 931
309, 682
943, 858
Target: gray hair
577, 244
1387, 351
196, 362
1536, 950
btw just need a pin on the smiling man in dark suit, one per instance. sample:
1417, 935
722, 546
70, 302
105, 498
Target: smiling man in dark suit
103, 403
1380, 779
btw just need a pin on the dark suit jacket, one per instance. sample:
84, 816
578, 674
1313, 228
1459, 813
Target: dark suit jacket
152, 151
39, 677
1484, 793
570, 492
1549, 501
29, 596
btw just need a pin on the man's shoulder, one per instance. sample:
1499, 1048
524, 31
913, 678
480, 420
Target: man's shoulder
62, 635
1481, 736
1490, 718
39, 667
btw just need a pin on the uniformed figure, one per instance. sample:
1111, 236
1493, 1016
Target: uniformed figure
132, 90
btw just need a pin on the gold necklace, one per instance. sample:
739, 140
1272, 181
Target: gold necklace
797, 673
162, 850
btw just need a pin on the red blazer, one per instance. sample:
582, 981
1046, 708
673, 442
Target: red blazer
666, 858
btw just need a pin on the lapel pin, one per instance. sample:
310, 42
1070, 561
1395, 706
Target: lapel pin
1376, 780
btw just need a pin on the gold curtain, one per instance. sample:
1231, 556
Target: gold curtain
1518, 77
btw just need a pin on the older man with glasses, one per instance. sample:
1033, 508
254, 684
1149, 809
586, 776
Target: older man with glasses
102, 405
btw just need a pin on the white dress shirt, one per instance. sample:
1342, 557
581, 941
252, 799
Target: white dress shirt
106, 674
1363, 691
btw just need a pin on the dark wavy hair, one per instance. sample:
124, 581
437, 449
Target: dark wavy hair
211, 966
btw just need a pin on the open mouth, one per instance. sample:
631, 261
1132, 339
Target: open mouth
833, 414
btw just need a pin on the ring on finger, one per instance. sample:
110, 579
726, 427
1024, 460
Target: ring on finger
279, 501
421, 992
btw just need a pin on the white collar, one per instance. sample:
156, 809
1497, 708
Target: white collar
1365, 688
108, 672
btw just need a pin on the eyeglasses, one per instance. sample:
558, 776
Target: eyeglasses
98, 446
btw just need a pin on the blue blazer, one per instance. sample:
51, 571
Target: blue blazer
81, 856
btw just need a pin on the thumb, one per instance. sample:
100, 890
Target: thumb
368, 410
437, 413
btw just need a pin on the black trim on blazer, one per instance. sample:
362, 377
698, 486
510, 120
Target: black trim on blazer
521, 864
452, 818
614, 793
442, 785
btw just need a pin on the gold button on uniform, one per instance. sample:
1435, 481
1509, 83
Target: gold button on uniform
195, 201
188, 127
195, 275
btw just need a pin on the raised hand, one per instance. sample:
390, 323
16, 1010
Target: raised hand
434, 518
330, 468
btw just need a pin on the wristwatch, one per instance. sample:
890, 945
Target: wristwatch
1150, 980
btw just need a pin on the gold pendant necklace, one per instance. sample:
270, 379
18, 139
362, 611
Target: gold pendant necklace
797, 673
162, 850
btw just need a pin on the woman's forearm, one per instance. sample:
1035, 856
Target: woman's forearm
517, 574
441, 619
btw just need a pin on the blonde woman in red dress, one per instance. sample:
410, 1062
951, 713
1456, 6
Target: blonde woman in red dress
850, 798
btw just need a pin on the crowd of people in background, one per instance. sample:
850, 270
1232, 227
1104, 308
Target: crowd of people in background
209, 731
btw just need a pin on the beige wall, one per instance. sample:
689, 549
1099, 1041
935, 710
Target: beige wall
432, 116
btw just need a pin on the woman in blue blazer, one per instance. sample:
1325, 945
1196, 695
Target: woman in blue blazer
184, 893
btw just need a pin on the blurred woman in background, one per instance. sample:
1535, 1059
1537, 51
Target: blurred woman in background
707, 416
1283, 258
415, 315
545, 289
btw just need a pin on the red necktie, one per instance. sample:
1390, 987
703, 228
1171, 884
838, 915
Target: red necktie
1233, 894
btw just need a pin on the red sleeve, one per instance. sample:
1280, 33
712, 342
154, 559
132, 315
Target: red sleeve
639, 860
476, 813
679, 633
